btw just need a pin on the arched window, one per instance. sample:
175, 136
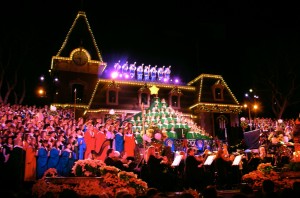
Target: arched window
112, 96
174, 101
144, 98
217, 90
174, 97
144, 95
218, 93
112, 93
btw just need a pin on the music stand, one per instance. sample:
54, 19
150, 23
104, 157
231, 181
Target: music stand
209, 160
237, 160
176, 160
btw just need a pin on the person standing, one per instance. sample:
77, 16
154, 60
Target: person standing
63, 167
81, 144
30, 161
54, 155
129, 141
89, 137
119, 140
102, 144
17, 165
42, 159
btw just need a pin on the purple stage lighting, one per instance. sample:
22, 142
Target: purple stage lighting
114, 75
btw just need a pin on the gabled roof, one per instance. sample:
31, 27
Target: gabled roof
80, 35
205, 99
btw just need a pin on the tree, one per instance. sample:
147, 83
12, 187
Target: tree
11, 62
279, 75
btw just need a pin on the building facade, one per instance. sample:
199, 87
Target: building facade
79, 66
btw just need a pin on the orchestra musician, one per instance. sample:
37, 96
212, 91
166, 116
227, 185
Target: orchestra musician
156, 164
223, 168
193, 174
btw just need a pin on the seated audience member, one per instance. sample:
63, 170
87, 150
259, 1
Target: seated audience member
267, 190
109, 159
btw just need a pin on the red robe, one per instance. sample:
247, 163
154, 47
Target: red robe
100, 138
129, 144
30, 164
89, 137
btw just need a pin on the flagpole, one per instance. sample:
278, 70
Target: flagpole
75, 91
143, 129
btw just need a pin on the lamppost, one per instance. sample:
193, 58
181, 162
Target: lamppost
251, 104
48, 87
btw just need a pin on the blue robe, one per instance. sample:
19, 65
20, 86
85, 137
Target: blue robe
53, 158
119, 142
81, 148
42, 162
63, 167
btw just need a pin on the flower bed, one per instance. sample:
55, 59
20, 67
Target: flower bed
266, 171
98, 179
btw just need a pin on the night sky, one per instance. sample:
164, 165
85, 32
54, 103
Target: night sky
231, 38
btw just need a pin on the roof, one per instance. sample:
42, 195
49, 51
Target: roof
80, 35
206, 100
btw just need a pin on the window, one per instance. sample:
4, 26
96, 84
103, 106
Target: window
144, 95
174, 98
144, 98
112, 94
174, 101
218, 93
218, 89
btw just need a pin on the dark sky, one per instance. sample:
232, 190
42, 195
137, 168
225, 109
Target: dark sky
235, 39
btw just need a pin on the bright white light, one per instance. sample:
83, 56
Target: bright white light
56, 79
246, 95
114, 75
42, 78
111, 112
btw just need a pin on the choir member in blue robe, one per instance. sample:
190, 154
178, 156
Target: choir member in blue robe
63, 168
119, 140
81, 145
42, 159
54, 156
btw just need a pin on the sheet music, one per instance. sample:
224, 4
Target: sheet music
237, 160
176, 160
209, 160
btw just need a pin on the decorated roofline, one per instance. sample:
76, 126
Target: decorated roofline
80, 14
202, 76
136, 83
216, 107
149, 84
